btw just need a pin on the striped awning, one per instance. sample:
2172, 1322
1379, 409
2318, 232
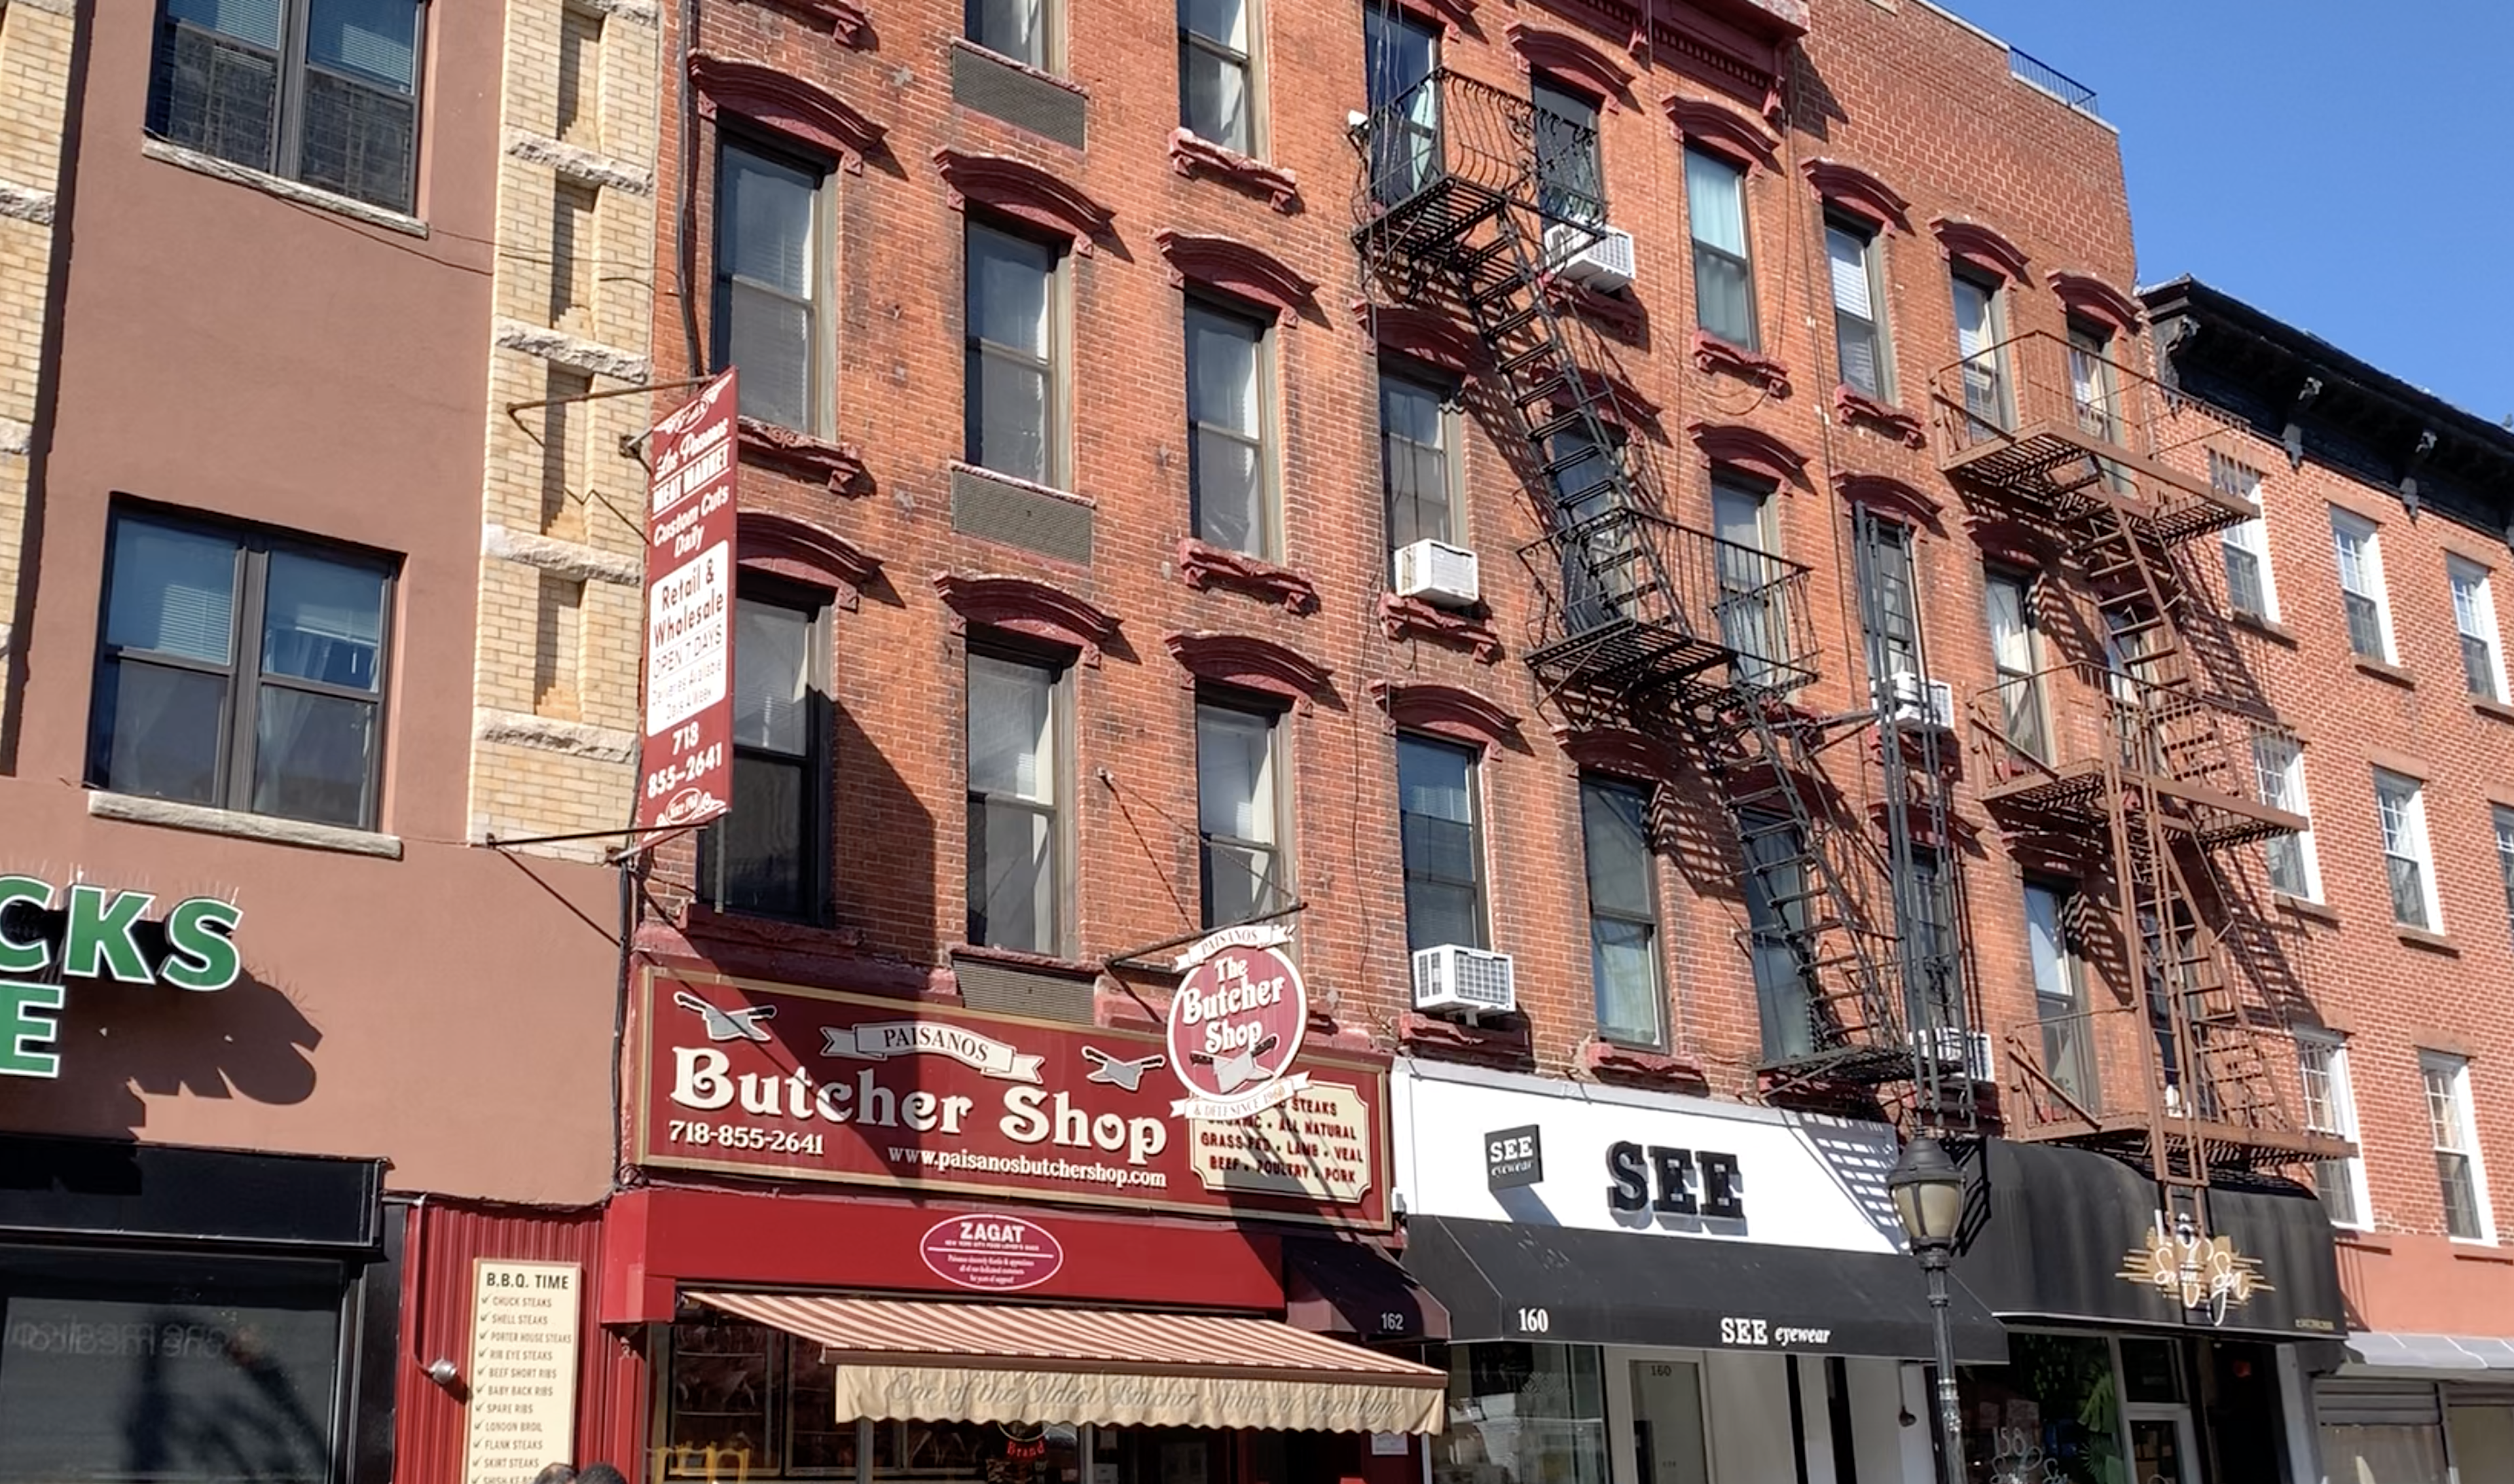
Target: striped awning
1020, 1363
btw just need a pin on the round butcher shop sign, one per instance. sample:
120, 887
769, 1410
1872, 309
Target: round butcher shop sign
1236, 1025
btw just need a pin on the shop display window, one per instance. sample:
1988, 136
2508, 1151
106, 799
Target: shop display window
2053, 1415
1521, 1413
200, 1371
744, 1403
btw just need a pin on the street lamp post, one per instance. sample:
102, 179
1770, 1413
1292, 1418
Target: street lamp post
1928, 1199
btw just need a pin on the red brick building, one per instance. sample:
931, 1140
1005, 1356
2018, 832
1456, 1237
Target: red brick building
2368, 618
1826, 727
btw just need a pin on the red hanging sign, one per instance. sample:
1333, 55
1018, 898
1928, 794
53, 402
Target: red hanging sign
685, 767
1236, 1024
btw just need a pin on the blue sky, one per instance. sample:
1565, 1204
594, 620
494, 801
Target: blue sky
2348, 168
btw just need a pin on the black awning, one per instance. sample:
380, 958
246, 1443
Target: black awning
115, 1188
1338, 1287
2052, 1233
1504, 1280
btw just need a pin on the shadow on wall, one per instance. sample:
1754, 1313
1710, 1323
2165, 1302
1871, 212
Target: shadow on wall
122, 1044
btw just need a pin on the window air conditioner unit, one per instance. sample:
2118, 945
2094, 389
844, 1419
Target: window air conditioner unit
1437, 572
1472, 982
1590, 253
1970, 1047
1919, 702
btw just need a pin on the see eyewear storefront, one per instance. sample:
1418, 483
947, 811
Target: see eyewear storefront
1649, 1288
896, 1242
2146, 1346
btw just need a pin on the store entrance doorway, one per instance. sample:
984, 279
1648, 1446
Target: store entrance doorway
2162, 1450
1667, 1443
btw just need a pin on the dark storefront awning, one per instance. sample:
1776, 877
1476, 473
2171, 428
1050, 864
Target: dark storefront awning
1504, 1280
1339, 1287
2059, 1233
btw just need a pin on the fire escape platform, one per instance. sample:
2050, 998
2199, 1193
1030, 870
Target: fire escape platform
1625, 654
2229, 1145
2075, 790
2055, 460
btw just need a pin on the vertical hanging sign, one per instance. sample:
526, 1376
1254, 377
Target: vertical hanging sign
685, 767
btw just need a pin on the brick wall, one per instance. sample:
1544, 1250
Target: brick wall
555, 684
35, 41
1912, 97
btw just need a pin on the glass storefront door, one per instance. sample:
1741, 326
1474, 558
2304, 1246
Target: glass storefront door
2161, 1450
1667, 1423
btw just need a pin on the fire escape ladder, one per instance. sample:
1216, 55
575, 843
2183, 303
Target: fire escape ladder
1797, 867
1911, 740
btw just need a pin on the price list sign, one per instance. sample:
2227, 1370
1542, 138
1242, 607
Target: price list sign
685, 767
522, 1414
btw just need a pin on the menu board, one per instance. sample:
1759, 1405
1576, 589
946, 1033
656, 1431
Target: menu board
522, 1413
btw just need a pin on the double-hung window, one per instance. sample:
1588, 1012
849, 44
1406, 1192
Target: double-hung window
1442, 839
1226, 412
1777, 918
2474, 619
1623, 912
1723, 275
1854, 255
1400, 54
2331, 1109
1981, 341
2060, 993
1570, 186
1014, 29
2250, 589
1017, 789
2502, 819
1239, 818
1217, 72
1011, 388
323, 92
2017, 658
1889, 613
768, 276
2450, 1127
2278, 771
1754, 624
241, 669
2400, 807
1416, 470
766, 856
2360, 586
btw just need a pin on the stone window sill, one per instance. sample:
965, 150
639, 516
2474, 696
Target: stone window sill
293, 191
135, 810
2305, 907
2267, 628
1201, 565
2479, 1250
1614, 1061
1015, 958
2384, 670
2420, 937
1190, 153
2496, 708
1030, 486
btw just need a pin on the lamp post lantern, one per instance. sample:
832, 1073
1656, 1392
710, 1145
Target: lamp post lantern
1928, 1199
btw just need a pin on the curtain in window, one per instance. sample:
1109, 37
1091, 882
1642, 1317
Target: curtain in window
771, 679
1011, 749
1399, 56
1750, 603
766, 246
2012, 651
1716, 205
1234, 776
1011, 736
1622, 912
1782, 998
1724, 289
1012, 27
1854, 315
1976, 341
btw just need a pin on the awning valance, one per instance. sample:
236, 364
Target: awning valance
2389, 1351
1506, 1280
1019, 1363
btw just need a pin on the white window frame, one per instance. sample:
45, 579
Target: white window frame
2474, 616
2411, 844
2250, 537
2456, 1072
2344, 529
2339, 1097
2284, 787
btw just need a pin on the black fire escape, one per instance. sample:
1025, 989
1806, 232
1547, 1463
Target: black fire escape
1647, 624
